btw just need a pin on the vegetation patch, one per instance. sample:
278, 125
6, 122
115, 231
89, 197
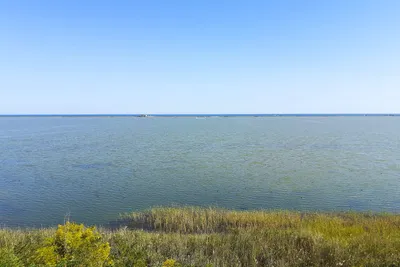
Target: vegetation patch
191, 236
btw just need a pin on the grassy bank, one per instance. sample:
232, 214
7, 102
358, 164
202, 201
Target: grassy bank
213, 237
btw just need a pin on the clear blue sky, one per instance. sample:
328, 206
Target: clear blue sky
334, 56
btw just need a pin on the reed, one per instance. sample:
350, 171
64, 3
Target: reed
193, 236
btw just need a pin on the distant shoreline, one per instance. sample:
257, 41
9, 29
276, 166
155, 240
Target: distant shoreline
204, 115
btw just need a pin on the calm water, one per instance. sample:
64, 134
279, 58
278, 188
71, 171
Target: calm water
95, 168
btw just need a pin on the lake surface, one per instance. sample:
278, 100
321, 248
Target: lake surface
94, 168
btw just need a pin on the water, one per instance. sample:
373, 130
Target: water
94, 168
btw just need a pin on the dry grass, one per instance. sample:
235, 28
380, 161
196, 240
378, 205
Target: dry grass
215, 237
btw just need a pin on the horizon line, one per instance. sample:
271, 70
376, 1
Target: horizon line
193, 114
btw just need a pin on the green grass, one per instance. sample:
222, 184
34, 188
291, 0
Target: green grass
215, 237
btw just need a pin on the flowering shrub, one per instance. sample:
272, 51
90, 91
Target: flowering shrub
170, 263
74, 245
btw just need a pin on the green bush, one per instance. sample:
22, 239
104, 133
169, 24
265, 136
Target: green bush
74, 245
170, 263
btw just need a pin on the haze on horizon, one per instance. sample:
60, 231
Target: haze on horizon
204, 57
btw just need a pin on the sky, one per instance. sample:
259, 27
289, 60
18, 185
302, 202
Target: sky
209, 56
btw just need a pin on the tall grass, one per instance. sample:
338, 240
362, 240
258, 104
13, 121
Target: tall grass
215, 237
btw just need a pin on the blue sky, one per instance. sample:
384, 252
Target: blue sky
283, 56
